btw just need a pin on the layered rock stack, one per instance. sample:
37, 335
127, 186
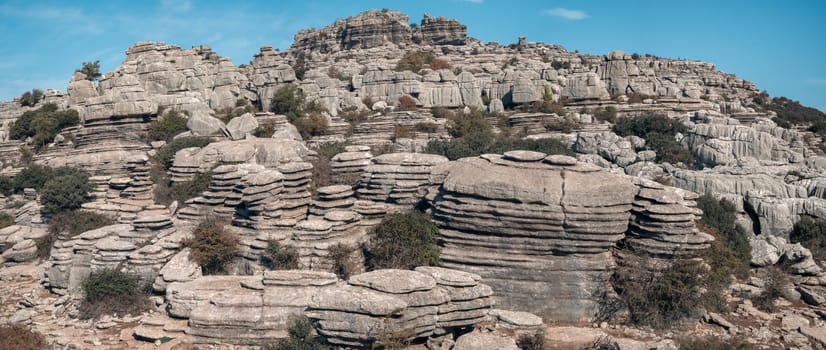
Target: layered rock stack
398, 178
415, 304
296, 193
19, 243
244, 309
662, 223
142, 248
351, 163
539, 229
257, 199
314, 238
336, 197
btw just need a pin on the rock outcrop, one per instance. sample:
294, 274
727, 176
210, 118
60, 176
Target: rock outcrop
540, 229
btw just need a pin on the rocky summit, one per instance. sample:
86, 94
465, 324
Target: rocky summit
383, 183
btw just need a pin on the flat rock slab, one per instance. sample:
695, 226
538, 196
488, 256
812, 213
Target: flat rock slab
299, 278
525, 156
357, 300
394, 281
485, 341
519, 319
448, 277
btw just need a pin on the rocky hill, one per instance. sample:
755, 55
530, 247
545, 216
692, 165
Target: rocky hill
545, 175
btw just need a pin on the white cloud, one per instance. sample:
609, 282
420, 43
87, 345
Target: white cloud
573, 15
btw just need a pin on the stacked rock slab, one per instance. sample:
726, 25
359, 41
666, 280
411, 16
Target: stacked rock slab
142, 248
336, 197
662, 223
539, 229
351, 163
417, 303
313, 238
245, 309
19, 243
398, 178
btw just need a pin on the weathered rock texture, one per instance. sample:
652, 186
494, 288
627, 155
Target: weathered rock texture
419, 303
540, 229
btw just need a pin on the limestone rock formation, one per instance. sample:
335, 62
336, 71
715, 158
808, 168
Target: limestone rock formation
509, 217
420, 303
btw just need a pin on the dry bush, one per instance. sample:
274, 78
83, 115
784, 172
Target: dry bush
277, 257
775, 282
19, 337
439, 63
110, 292
407, 103
212, 246
661, 298
531, 341
426, 127
401, 132
343, 263
312, 124
6, 220
602, 343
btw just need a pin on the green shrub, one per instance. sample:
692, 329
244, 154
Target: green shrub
607, 114
242, 106
713, 343
265, 129
811, 233
67, 190
31, 98
110, 292
212, 246
426, 127
6, 185
91, 70
6, 220
659, 131
19, 337
792, 112
354, 116
276, 257
73, 223
289, 101
565, 125
403, 241
166, 154
322, 170
661, 298
299, 331
722, 216
166, 127
818, 127
166, 192
42, 124
311, 124
560, 65
414, 61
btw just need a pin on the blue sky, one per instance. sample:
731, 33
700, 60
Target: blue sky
779, 45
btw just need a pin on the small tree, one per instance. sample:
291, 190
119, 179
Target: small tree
212, 246
166, 127
403, 241
30, 98
65, 192
112, 292
91, 70
276, 257
289, 101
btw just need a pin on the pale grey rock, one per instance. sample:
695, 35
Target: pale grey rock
481, 340
238, 128
204, 125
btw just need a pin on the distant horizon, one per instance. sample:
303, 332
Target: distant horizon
775, 46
